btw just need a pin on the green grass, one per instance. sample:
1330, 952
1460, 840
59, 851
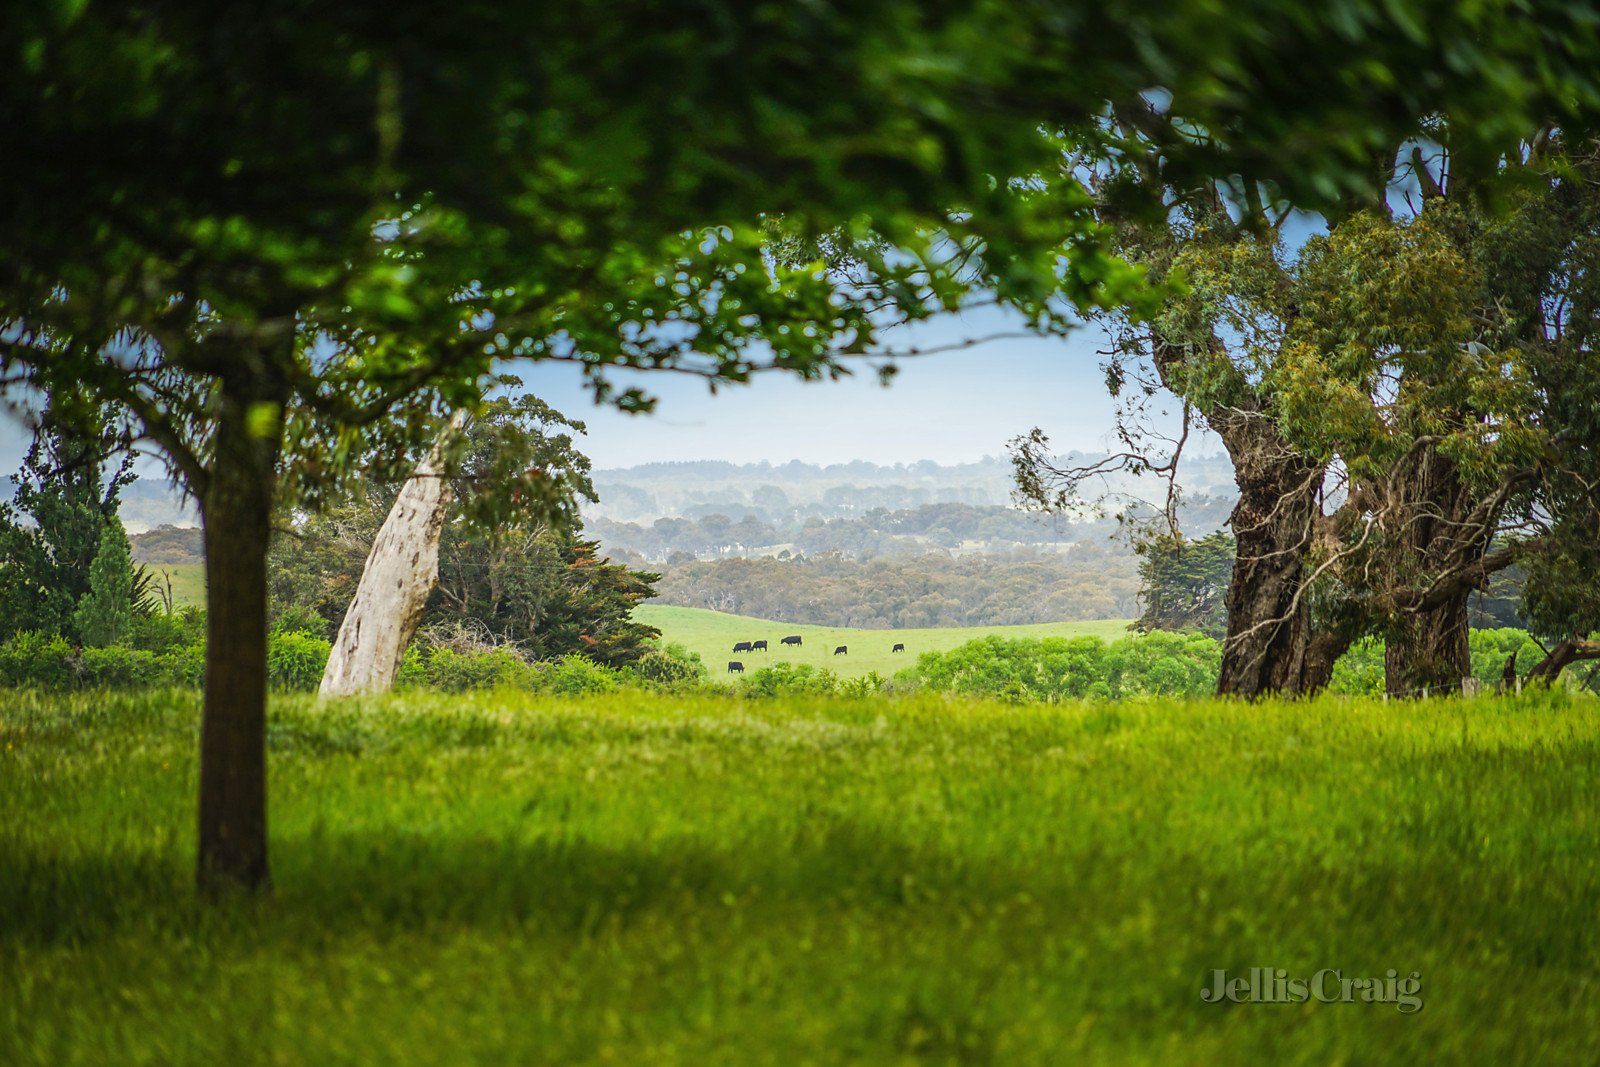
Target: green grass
188, 582
714, 633
701, 880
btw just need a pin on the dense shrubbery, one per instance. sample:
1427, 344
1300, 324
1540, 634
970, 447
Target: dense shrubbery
1056, 668
170, 651
163, 650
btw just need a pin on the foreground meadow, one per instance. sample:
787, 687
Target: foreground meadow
706, 880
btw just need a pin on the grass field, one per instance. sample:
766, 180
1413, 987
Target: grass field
713, 634
188, 582
704, 880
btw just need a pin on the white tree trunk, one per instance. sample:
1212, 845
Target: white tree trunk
400, 573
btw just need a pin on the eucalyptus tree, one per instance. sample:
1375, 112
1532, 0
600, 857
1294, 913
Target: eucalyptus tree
1389, 395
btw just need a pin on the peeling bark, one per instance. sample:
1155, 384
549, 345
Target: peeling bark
400, 573
1270, 646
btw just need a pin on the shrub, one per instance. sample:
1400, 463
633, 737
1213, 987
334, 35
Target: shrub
34, 660
184, 664
119, 667
297, 618
295, 661
457, 672
162, 632
790, 679
1055, 668
671, 665
573, 675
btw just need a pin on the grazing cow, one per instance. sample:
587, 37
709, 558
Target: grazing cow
735, 667
793, 640
842, 650
758, 646
898, 648
742, 646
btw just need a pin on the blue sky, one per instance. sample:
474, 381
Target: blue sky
950, 407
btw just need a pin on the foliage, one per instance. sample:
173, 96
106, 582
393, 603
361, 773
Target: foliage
51, 532
120, 667
295, 661
104, 615
1183, 584
789, 680
513, 564
30, 659
670, 665
1053, 669
552, 594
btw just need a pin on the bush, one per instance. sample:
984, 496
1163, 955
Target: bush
184, 665
790, 679
1056, 668
1359, 672
297, 618
162, 632
574, 675
457, 672
295, 661
119, 667
671, 665
33, 660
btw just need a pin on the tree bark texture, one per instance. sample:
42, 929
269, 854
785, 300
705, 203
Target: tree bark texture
1270, 646
237, 510
1432, 531
400, 573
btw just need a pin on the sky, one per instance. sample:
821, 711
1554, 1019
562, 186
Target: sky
950, 407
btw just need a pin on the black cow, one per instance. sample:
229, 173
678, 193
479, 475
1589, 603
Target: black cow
842, 650
794, 640
735, 667
742, 646
898, 648
758, 646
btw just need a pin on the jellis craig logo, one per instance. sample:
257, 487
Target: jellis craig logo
1272, 985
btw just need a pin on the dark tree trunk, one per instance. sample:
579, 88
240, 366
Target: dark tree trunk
1426, 648
1428, 653
237, 510
1269, 646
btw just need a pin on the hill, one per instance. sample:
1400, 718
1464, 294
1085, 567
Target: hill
712, 634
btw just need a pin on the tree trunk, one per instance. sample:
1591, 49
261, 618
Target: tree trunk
1269, 645
1428, 653
237, 511
1427, 649
400, 573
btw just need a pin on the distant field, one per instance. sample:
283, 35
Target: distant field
713, 634
188, 582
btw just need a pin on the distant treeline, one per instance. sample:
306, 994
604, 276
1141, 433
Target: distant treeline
773, 492
998, 589
876, 532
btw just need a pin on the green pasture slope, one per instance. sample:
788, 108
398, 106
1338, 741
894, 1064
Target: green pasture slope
714, 633
704, 880
188, 582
